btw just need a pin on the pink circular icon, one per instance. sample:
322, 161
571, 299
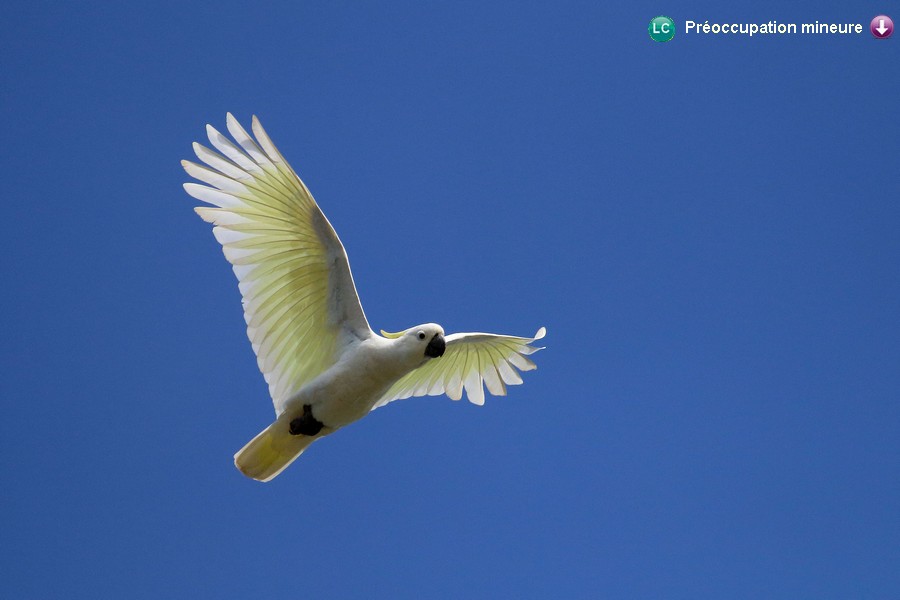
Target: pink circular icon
882, 27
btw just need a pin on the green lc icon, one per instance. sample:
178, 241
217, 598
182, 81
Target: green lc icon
661, 29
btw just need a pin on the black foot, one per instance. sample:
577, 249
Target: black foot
307, 424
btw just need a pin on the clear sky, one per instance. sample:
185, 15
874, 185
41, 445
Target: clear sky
708, 228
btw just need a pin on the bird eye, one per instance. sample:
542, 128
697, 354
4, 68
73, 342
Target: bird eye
421, 335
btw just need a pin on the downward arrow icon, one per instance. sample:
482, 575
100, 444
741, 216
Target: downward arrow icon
882, 27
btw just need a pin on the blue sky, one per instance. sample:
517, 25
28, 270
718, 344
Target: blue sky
708, 229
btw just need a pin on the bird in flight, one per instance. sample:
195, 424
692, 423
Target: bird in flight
325, 366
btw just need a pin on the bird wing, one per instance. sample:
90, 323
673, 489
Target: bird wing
300, 302
469, 360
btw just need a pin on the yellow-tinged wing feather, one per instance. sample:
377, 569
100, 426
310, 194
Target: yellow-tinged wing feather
470, 361
300, 302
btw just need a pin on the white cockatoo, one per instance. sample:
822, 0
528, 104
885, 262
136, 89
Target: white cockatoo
325, 366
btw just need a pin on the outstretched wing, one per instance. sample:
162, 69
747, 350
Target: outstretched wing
300, 302
469, 360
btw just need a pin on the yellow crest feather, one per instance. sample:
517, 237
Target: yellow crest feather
391, 336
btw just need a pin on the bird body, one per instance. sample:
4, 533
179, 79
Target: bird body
325, 366
376, 364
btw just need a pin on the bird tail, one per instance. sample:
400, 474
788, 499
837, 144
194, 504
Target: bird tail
271, 451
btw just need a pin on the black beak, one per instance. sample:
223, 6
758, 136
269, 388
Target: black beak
436, 346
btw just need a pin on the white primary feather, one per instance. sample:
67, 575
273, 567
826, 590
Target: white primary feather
300, 303
469, 360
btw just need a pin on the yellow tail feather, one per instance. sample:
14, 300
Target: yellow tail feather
272, 450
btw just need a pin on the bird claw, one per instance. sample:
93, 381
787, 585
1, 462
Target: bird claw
306, 424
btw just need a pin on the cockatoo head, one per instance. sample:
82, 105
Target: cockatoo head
425, 341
